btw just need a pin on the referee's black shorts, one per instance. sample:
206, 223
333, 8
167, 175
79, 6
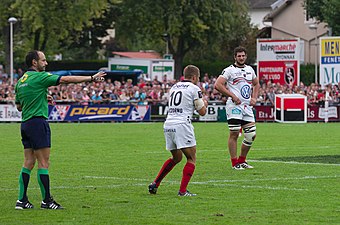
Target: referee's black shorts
36, 133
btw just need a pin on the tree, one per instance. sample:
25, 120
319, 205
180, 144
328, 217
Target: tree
45, 22
86, 43
55, 26
190, 24
325, 11
5, 12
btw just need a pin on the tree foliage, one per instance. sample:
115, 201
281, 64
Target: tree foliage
325, 11
191, 25
47, 22
56, 26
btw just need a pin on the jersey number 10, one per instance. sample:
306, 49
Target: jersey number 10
175, 98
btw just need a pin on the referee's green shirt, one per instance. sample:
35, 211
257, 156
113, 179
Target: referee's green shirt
31, 93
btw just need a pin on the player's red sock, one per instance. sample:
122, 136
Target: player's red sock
234, 161
241, 159
166, 168
188, 170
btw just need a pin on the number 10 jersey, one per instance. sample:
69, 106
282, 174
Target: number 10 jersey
181, 102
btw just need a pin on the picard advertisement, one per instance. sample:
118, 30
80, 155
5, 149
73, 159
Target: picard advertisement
278, 61
99, 113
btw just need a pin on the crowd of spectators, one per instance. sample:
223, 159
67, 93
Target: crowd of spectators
148, 91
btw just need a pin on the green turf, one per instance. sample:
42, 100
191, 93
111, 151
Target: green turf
100, 172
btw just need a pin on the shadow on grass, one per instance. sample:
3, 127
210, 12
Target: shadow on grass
331, 159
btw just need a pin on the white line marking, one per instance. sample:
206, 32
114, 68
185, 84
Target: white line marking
115, 178
168, 183
262, 187
267, 179
162, 150
210, 182
293, 162
79, 187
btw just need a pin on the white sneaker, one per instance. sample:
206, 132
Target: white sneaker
238, 167
245, 165
187, 193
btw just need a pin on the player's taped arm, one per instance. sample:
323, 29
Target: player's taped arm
200, 106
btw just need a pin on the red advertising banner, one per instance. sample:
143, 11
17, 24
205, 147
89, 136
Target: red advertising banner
278, 60
282, 72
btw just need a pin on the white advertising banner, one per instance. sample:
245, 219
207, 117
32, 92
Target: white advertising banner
329, 60
9, 112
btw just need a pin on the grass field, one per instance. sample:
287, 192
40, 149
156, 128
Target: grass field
100, 172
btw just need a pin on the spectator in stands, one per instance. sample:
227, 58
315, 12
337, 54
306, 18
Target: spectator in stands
114, 95
96, 98
123, 97
3, 94
270, 98
141, 83
85, 97
105, 96
20, 72
128, 84
155, 81
135, 93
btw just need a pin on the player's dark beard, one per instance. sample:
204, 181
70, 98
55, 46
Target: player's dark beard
239, 64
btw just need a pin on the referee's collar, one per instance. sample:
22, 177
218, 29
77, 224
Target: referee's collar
186, 81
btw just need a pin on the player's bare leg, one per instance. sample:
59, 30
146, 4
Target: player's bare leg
232, 146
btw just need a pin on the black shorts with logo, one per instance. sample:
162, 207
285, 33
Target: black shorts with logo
36, 133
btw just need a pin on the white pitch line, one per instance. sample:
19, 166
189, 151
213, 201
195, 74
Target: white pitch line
78, 187
114, 178
210, 182
293, 162
266, 179
171, 183
253, 148
262, 187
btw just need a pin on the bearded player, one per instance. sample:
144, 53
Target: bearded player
240, 84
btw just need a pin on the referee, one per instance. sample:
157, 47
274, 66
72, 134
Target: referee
31, 99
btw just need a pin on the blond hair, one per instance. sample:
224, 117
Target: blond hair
190, 71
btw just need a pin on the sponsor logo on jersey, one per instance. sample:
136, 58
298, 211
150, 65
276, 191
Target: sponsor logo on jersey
245, 91
169, 130
236, 111
175, 110
200, 95
181, 86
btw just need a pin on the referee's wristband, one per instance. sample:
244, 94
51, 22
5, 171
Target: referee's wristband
92, 78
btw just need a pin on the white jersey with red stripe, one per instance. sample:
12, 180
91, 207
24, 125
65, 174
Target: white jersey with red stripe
239, 81
181, 102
